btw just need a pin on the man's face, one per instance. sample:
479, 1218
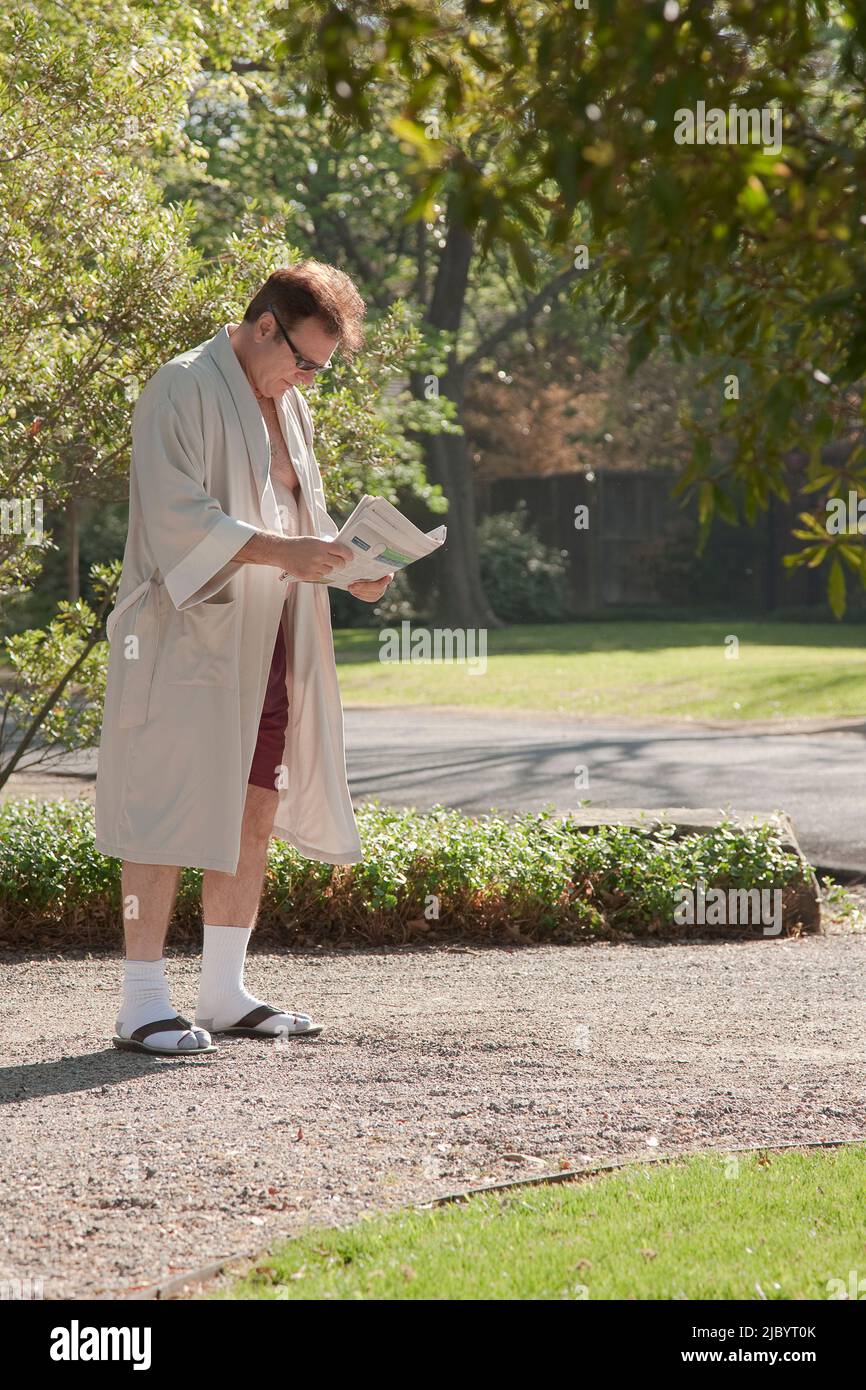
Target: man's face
273, 364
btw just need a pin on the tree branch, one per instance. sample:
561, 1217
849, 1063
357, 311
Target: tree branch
521, 319
54, 695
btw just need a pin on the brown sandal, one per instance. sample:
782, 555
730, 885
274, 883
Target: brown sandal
136, 1041
246, 1027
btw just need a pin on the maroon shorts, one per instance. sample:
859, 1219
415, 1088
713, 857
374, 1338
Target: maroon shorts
272, 725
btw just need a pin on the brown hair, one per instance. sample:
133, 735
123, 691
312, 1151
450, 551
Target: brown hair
313, 289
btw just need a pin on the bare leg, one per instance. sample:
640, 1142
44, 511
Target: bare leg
149, 892
232, 900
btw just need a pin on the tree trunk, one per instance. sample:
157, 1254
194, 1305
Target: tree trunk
462, 601
73, 581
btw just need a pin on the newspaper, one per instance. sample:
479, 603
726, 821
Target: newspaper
383, 540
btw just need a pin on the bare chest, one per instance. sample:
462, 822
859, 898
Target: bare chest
282, 468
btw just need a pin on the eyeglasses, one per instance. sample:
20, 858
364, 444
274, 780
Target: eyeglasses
303, 364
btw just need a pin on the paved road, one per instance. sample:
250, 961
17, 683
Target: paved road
476, 761
517, 761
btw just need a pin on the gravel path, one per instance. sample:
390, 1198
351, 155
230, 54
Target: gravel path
438, 1068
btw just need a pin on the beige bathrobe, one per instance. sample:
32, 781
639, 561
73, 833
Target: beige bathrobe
192, 633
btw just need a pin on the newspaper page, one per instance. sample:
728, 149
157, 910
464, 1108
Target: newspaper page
382, 540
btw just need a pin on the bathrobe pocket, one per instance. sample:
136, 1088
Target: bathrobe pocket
201, 644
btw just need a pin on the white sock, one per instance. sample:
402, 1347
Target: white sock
145, 1000
222, 999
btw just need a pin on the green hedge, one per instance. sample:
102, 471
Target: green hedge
534, 877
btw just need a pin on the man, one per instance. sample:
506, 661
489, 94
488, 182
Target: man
222, 722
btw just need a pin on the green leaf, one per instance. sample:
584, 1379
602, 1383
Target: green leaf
640, 346
521, 254
429, 150
836, 588
752, 197
421, 208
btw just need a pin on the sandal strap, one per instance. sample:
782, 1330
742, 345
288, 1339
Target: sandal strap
258, 1015
162, 1025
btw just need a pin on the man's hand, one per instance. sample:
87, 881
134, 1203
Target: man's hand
370, 589
307, 558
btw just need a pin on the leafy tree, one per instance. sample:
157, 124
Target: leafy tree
101, 285
344, 194
54, 701
526, 114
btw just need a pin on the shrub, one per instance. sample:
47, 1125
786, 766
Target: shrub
524, 579
428, 875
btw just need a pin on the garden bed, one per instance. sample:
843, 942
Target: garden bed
436, 875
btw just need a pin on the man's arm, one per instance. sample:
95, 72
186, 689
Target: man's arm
192, 540
196, 545
370, 590
303, 557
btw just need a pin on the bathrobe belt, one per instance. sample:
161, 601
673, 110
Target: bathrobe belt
124, 604
139, 662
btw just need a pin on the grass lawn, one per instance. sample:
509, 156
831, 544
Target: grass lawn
710, 1227
624, 668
